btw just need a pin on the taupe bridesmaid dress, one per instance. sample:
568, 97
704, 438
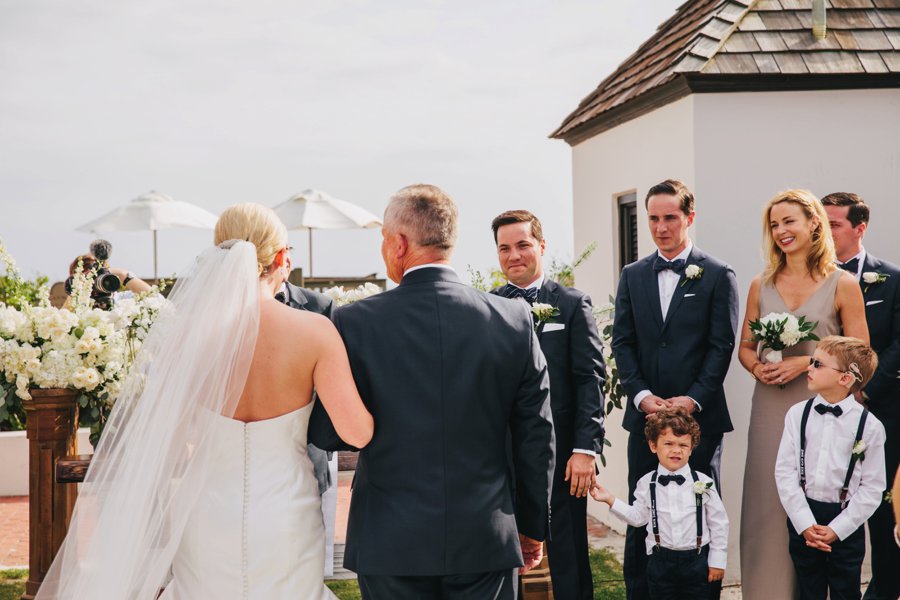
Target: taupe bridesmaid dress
767, 572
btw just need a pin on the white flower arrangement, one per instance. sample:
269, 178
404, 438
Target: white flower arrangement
871, 278
543, 313
859, 450
777, 331
702, 488
692, 272
82, 348
342, 297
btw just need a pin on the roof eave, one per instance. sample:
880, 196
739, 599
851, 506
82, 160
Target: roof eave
687, 83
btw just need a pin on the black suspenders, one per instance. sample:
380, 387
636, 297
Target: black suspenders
654, 519
859, 435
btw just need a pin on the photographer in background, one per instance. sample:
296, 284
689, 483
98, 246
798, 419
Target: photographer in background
108, 281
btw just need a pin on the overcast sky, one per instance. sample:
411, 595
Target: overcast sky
221, 102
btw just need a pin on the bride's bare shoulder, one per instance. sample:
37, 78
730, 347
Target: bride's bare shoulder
293, 321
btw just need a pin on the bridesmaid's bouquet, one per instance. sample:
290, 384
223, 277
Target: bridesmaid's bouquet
777, 331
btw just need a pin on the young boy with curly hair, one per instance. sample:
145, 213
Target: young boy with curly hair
830, 470
688, 535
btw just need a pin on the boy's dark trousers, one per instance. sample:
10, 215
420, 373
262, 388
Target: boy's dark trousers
678, 574
838, 570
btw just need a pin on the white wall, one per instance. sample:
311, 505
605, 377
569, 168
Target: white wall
735, 151
14, 460
632, 156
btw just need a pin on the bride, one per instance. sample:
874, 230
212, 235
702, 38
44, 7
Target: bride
201, 483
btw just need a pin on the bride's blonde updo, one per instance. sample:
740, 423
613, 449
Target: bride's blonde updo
256, 224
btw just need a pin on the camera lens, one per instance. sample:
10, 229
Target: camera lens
107, 283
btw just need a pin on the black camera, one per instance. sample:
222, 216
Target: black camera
105, 283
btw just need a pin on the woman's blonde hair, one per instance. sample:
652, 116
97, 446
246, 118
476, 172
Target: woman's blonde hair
256, 224
821, 257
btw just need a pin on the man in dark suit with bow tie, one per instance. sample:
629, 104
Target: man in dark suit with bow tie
848, 216
572, 347
674, 334
450, 374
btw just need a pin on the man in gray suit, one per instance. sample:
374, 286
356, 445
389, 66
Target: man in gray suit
450, 375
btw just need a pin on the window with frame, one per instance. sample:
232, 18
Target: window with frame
628, 241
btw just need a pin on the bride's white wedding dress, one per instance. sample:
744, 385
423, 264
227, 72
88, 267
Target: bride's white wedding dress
256, 530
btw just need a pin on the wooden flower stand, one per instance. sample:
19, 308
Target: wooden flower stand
51, 425
536, 584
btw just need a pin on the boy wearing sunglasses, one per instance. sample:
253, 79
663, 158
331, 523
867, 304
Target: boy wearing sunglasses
830, 471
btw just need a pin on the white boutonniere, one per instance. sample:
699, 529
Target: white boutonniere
859, 450
543, 313
692, 272
871, 278
702, 488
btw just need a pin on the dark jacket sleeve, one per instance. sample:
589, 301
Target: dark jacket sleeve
624, 341
886, 381
588, 376
723, 322
533, 443
322, 433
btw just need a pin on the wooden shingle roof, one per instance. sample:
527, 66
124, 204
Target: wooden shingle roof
738, 45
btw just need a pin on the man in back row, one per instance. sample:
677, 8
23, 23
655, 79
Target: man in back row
572, 347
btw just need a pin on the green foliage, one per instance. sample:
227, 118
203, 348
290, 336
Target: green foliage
564, 273
478, 280
12, 414
345, 589
609, 583
12, 583
612, 386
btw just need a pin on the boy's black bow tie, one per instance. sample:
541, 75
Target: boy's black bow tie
665, 479
835, 410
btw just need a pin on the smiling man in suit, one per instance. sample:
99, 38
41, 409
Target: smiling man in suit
848, 216
673, 337
571, 345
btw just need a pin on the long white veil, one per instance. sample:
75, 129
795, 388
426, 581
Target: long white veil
151, 462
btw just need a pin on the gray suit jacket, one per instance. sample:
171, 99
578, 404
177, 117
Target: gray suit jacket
303, 299
447, 372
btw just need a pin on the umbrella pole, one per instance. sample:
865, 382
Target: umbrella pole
155, 270
310, 252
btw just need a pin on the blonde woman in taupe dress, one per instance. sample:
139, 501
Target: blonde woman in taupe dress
800, 278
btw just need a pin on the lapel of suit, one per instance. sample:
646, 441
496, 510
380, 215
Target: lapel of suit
871, 265
548, 294
651, 289
295, 297
684, 284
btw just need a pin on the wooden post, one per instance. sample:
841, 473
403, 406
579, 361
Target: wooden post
51, 425
536, 583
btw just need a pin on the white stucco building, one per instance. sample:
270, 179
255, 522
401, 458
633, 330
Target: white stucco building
738, 100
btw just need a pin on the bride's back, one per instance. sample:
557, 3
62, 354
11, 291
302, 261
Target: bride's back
288, 347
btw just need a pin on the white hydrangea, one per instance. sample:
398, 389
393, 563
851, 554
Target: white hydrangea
791, 334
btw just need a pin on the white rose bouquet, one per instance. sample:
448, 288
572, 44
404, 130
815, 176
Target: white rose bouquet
85, 348
777, 331
344, 297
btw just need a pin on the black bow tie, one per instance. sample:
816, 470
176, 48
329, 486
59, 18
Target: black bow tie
281, 297
662, 264
851, 266
665, 479
824, 408
513, 291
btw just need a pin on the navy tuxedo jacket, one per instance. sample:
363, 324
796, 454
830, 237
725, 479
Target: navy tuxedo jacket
448, 373
304, 299
574, 354
688, 353
883, 318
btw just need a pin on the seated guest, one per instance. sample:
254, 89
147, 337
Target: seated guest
830, 471
687, 549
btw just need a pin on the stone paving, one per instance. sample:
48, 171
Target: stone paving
13, 532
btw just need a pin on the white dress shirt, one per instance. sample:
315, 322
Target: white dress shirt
668, 281
829, 444
676, 511
428, 266
537, 283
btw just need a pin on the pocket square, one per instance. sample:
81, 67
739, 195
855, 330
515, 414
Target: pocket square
689, 295
871, 302
554, 327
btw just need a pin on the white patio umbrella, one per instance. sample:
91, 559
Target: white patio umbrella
313, 209
152, 211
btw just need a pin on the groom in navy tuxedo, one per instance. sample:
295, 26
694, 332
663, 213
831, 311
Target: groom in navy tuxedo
572, 347
674, 334
848, 216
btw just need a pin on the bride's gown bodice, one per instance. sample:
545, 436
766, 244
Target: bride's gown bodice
256, 530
